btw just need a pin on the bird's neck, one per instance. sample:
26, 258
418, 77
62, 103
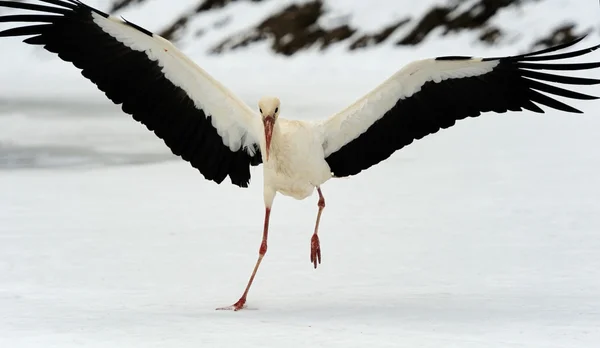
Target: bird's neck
276, 132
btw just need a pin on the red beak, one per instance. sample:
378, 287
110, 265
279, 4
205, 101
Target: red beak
269, 121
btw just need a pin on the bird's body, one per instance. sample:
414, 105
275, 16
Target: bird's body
296, 164
205, 124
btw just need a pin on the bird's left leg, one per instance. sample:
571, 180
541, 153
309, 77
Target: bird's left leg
315, 245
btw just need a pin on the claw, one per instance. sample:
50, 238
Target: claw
315, 250
241, 304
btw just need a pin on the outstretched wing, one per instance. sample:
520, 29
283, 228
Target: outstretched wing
197, 117
428, 95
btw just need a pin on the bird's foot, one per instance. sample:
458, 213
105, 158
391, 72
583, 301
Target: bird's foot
240, 304
315, 250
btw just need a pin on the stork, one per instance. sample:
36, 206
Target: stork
204, 123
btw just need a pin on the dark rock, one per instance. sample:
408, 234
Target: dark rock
208, 5
478, 15
121, 4
291, 30
367, 40
475, 17
171, 32
334, 35
490, 35
433, 19
560, 35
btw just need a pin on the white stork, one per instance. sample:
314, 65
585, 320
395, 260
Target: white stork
202, 121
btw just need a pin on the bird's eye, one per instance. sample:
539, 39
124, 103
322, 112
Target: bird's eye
260, 110
276, 109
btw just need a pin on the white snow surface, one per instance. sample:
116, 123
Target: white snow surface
483, 235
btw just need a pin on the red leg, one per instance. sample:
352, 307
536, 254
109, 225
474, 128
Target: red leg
241, 303
315, 245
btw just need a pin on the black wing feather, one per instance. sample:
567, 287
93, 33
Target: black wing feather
515, 84
40, 8
29, 18
130, 78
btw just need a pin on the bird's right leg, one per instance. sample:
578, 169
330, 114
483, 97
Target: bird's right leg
241, 303
315, 245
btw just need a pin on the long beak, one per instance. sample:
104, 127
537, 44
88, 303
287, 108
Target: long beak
268, 123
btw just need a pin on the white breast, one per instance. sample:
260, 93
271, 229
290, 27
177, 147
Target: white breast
296, 160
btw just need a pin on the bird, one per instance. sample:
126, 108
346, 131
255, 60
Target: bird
207, 125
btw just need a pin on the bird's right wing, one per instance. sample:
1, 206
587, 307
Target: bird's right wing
431, 94
197, 117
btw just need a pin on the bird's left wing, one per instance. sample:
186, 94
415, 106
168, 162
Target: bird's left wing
428, 95
196, 116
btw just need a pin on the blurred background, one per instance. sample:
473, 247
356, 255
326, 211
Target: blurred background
381, 33
483, 235
318, 56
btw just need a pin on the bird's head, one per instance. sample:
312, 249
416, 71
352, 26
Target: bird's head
269, 111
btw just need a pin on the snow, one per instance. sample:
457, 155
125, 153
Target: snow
234, 18
484, 235
369, 18
157, 14
480, 241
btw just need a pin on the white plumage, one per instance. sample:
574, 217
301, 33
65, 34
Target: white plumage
233, 119
202, 121
358, 117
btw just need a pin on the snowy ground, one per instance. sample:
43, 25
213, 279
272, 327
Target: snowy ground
485, 235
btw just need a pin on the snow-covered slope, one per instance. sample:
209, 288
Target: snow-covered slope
26, 71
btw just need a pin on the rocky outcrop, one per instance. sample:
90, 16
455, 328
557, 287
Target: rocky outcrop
490, 35
208, 5
563, 33
297, 27
121, 4
290, 30
367, 40
473, 18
